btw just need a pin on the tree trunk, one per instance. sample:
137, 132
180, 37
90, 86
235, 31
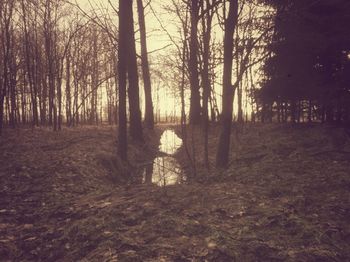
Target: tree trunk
309, 111
68, 93
293, 111
94, 80
195, 107
30, 69
206, 27
122, 73
149, 115
228, 89
133, 88
12, 89
6, 18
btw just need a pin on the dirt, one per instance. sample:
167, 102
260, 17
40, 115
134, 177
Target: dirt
66, 197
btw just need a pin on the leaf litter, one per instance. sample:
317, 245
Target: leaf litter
66, 196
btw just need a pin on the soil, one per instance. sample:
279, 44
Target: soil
65, 196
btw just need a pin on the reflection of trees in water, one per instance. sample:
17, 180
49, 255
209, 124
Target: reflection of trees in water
165, 170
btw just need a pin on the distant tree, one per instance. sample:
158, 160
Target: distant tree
30, 64
6, 36
313, 77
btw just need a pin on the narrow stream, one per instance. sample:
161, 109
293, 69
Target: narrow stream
165, 170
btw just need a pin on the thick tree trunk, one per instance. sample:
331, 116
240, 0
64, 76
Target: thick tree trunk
228, 89
133, 88
195, 107
149, 115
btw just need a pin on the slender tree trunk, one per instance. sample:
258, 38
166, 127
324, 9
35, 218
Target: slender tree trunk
23, 101
116, 81
6, 17
44, 96
122, 73
228, 89
149, 115
50, 62
59, 102
195, 107
68, 92
278, 110
2, 96
239, 61
206, 27
12, 89
30, 69
94, 79
293, 111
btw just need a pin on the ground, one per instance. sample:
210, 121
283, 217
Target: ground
66, 196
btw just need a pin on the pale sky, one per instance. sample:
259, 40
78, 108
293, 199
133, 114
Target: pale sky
156, 39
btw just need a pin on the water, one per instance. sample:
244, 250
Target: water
165, 170
169, 142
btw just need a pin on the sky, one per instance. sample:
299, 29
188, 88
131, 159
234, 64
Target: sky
158, 44
157, 39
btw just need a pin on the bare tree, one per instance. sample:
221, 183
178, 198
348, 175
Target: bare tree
122, 73
228, 90
149, 116
6, 13
133, 78
195, 107
207, 18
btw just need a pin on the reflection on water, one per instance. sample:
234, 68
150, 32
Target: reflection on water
165, 170
169, 142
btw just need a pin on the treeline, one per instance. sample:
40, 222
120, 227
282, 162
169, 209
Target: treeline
307, 77
221, 50
52, 63
270, 60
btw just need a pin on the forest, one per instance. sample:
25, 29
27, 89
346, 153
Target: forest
177, 130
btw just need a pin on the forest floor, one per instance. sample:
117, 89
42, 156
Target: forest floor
285, 197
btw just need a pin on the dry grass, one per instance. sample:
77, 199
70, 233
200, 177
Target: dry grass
285, 197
